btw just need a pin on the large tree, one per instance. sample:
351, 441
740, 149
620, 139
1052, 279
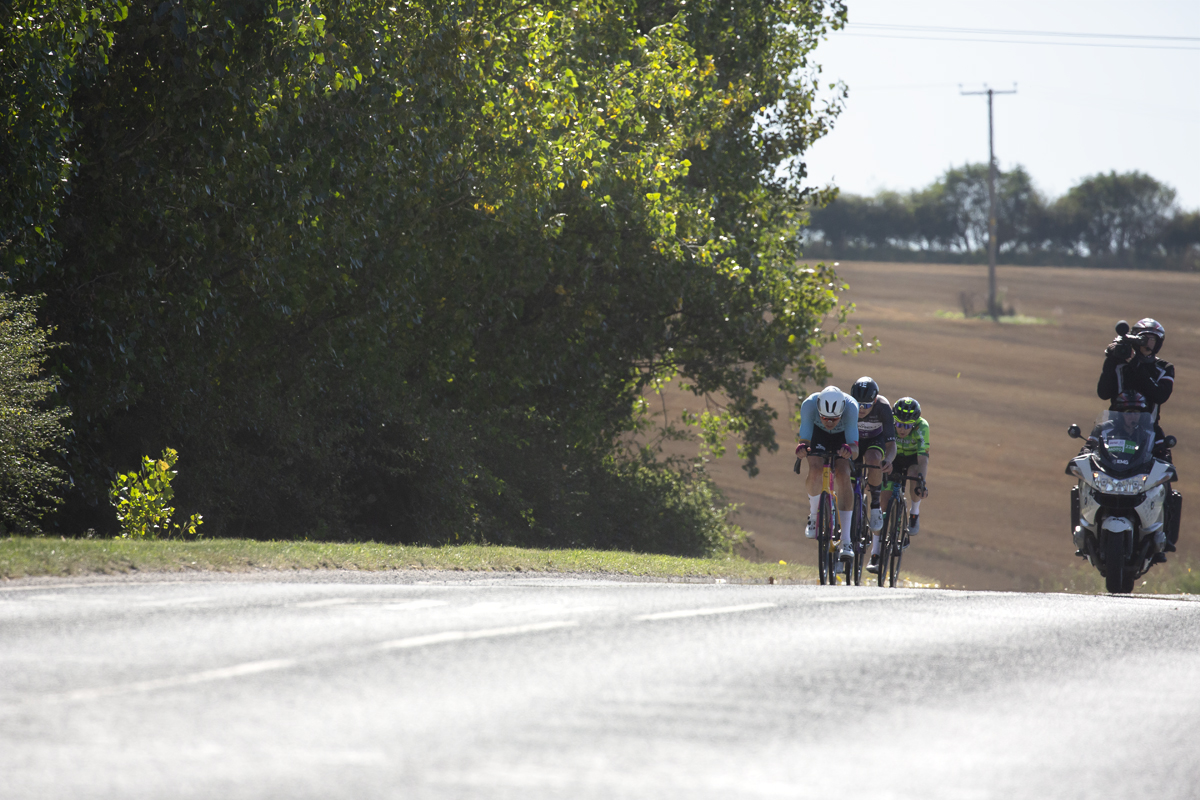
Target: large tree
411, 266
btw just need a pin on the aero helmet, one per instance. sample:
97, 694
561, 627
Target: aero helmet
864, 390
907, 411
831, 402
1150, 327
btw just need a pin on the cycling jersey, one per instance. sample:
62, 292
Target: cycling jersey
848, 424
877, 425
917, 441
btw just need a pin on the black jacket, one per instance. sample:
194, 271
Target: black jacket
1153, 378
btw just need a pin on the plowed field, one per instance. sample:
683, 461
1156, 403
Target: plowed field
999, 398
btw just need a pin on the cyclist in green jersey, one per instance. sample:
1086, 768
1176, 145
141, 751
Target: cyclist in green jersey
912, 453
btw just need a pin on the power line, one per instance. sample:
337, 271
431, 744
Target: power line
1019, 41
1009, 32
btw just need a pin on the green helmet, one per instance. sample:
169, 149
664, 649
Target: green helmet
906, 411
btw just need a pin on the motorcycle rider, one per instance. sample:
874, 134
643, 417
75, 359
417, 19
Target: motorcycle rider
1132, 366
838, 431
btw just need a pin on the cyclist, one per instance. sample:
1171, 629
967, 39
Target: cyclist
876, 441
837, 431
912, 458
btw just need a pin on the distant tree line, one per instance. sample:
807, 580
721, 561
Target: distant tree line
1118, 220
407, 269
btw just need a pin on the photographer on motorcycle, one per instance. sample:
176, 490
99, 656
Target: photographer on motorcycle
1134, 376
1132, 365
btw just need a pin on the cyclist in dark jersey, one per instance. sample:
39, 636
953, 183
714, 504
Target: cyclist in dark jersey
876, 442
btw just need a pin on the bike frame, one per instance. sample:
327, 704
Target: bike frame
895, 529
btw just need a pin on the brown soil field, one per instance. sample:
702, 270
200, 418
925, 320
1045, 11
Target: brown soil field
999, 398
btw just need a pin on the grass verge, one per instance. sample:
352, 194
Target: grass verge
39, 556
1174, 577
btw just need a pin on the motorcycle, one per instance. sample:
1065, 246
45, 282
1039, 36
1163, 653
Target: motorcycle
1123, 512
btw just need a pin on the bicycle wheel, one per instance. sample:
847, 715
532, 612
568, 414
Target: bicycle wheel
824, 535
861, 538
885, 547
899, 525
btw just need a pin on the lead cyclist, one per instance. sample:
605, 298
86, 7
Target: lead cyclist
837, 432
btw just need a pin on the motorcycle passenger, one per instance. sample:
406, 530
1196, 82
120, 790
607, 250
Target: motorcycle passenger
912, 458
1132, 365
876, 441
837, 432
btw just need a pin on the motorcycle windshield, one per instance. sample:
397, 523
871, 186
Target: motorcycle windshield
1125, 439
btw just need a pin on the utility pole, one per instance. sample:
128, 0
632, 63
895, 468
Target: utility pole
993, 306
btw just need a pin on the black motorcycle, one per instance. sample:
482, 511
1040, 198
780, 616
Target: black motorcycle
1123, 512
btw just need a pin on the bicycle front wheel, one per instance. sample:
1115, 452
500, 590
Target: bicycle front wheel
825, 523
825, 534
898, 523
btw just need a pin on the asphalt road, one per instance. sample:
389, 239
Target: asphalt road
414, 686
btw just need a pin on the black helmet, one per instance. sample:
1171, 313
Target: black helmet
1150, 327
907, 411
864, 390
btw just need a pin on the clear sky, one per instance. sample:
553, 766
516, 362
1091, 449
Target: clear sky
1080, 109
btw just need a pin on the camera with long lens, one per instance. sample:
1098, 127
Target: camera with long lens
1125, 344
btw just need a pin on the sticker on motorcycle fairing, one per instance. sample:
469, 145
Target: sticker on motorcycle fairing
1120, 446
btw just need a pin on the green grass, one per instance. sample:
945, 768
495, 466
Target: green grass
42, 556
1014, 319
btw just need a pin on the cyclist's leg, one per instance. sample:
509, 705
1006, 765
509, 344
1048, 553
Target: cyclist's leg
820, 438
914, 502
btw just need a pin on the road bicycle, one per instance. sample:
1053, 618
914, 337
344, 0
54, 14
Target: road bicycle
828, 525
860, 534
895, 529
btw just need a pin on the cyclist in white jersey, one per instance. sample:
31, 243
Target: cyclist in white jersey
837, 431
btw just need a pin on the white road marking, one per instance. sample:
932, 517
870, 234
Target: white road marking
224, 673
270, 665
861, 598
330, 601
702, 612
412, 605
174, 601
459, 636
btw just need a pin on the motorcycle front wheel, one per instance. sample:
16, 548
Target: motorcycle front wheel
1114, 565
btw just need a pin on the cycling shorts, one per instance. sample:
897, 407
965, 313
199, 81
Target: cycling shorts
899, 467
875, 443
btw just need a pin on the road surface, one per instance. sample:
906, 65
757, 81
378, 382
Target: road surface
419, 685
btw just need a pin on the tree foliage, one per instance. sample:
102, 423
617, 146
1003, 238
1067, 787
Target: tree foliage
410, 267
30, 431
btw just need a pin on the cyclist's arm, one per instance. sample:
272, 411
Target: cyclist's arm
923, 470
851, 417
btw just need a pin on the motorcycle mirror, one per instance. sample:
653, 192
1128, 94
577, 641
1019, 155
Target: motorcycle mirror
1122, 328
1170, 441
1074, 432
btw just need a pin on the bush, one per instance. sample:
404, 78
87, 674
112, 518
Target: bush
141, 501
29, 431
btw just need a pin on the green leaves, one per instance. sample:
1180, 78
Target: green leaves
141, 498
431, 253
31, 429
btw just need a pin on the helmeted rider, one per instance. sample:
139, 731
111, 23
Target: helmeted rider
1138, 369
912, 458
876, 441
836, 431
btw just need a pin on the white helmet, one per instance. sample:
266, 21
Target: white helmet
831, 402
